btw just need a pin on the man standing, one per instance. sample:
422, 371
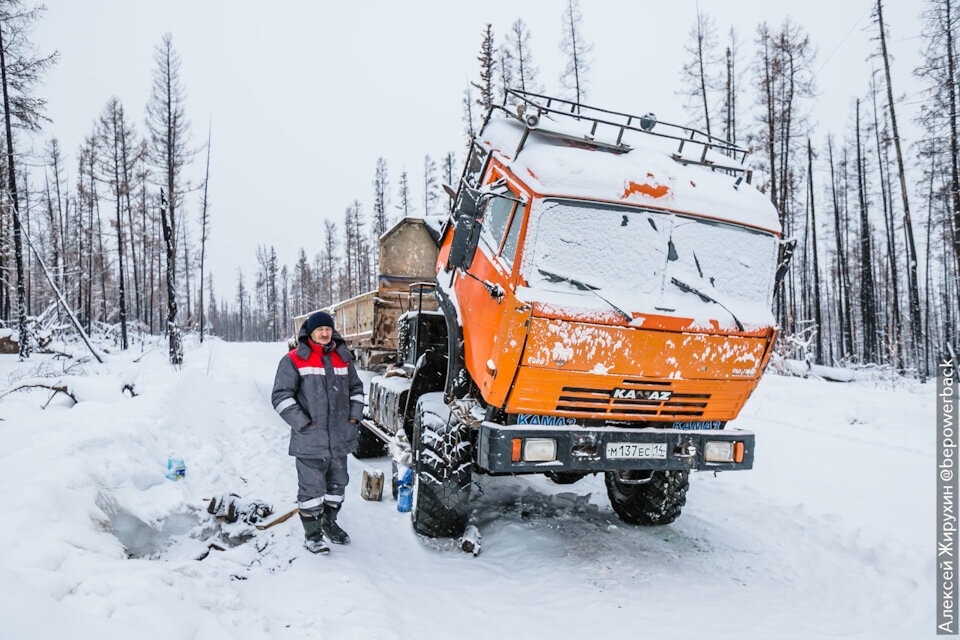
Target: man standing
319, 394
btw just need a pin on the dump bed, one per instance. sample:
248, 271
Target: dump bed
368, 322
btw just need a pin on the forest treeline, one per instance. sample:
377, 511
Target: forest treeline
875, 278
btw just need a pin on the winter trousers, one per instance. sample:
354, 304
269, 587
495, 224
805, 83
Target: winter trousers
320, 481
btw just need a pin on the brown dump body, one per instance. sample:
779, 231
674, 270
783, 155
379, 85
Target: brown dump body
368, 322
408, 254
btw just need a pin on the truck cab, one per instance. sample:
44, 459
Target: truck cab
633, 289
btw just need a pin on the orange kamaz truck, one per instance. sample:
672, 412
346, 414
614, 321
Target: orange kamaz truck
605, 284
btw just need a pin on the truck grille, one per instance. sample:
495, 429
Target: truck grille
633, 397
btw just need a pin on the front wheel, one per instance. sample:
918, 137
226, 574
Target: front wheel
648, 498
441, 473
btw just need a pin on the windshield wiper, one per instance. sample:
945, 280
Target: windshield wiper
683, 286
585, 287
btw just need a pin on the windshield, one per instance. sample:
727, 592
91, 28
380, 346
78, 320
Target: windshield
670, 261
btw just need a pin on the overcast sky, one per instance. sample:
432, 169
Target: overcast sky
304, 96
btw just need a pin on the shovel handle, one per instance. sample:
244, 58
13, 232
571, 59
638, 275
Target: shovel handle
282, 518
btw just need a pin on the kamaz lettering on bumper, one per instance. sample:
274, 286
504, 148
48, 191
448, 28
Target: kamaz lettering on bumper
547, 421
699, 425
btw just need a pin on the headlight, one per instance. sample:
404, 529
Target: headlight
719, 451
539, 449
723, 451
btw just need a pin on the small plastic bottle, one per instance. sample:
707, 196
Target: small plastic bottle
405, 492
176, 468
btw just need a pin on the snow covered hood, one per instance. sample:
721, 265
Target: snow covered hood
646, 175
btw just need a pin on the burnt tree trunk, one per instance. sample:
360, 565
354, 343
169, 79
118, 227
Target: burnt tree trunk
908, 225
24, 344
843, 282
954, 170
173, 331
703, 76
118, 192
125, 159
818, 318
103, 268
203, 236
886, 198
868, 311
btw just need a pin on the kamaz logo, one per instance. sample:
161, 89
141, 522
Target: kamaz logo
699, 425
641, 394
545, 421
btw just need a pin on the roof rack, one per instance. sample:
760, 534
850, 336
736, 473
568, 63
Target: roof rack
621, 123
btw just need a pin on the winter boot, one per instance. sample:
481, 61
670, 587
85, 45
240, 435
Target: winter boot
328, 524
313, 534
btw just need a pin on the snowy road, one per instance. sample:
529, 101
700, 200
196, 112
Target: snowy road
831, 535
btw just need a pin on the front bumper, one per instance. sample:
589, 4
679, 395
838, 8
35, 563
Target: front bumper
584, 449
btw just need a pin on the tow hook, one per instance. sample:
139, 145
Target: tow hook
585, 446
685, 450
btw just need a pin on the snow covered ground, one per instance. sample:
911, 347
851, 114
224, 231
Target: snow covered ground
831, 535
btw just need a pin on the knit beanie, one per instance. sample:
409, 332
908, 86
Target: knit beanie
318, 319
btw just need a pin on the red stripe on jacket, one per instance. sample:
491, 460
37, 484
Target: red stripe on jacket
316, 358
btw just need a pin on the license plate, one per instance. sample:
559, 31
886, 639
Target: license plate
636, 450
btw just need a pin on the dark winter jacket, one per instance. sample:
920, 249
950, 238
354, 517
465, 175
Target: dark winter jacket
317, 391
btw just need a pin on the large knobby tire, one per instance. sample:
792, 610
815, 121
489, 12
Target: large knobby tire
368, 445
656, 502
441, 474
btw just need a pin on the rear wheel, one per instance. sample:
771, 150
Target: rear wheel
648, 498
441, 473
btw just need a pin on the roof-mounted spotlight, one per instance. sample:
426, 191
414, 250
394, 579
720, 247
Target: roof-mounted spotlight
529, 117
648, 121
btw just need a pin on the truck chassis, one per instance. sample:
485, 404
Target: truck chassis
431, 404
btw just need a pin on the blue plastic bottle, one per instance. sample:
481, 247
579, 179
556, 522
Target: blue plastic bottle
405, 492
176, 468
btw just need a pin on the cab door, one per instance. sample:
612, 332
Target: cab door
489, 320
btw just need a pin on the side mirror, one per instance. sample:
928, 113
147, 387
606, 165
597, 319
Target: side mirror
466, 234
467, 212
783, 262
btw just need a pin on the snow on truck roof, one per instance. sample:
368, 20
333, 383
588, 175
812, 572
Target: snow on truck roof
645, 175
